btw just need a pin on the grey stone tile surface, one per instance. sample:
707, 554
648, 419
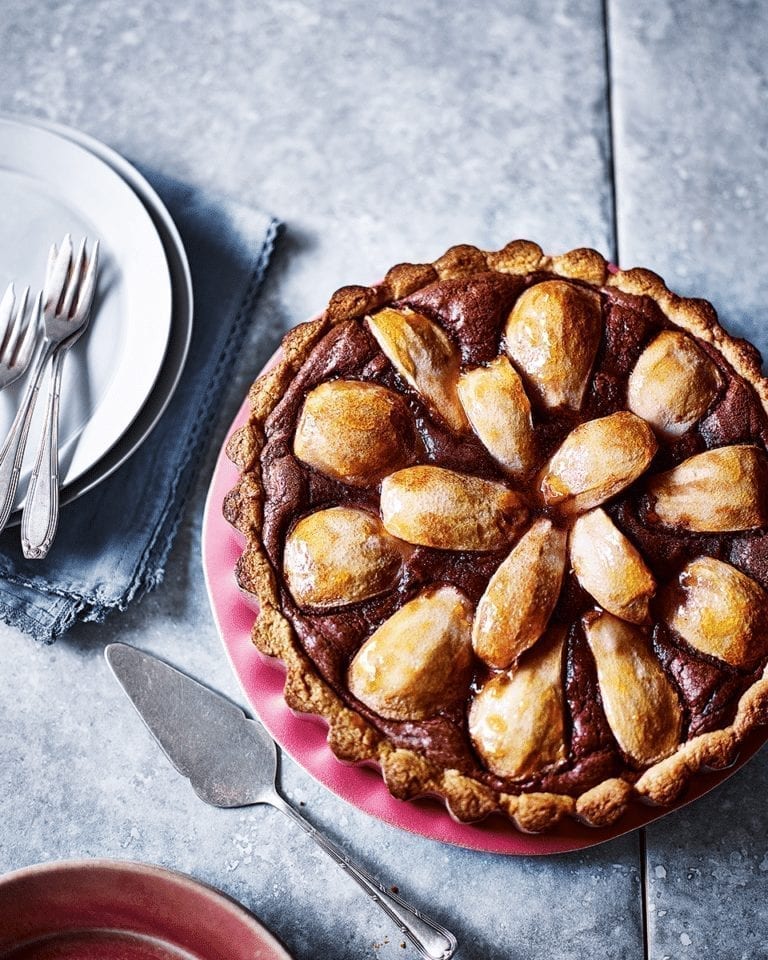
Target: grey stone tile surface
690, 102
706, 870
377, 134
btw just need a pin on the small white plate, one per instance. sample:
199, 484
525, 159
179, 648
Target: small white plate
49, 186
181, 327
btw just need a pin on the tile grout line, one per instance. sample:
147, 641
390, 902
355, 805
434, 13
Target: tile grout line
611, 156
611, 164
643, 852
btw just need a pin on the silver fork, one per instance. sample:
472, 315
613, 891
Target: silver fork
58, 297
20, 328
41, 504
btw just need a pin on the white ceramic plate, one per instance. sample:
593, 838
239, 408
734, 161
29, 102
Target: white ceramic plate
50, 185
182, 311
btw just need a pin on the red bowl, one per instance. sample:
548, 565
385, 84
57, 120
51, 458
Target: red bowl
118, 910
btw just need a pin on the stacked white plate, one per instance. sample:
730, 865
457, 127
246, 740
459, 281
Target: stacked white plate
119, 377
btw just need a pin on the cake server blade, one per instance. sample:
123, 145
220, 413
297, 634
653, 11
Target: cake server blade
228, 758
231, 761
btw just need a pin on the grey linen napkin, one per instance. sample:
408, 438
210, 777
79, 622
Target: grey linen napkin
113, 542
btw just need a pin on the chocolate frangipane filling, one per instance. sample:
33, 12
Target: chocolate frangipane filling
507, 523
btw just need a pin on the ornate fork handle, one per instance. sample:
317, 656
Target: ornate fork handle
41, 506
431, 940
12, 453
68, 295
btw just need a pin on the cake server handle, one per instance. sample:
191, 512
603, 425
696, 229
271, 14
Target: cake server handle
431, 940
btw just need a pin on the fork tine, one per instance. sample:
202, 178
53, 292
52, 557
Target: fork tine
52, 254
75, 276
88, 286
59, 272
6, 313
25, 344
18, 324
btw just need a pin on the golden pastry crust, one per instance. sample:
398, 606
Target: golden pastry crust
351, 738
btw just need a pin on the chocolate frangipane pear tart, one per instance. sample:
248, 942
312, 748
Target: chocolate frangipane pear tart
507, 523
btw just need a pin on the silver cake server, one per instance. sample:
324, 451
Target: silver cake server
231, 761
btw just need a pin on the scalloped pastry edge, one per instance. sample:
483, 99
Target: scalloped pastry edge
352, 739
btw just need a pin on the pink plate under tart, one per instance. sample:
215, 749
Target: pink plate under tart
117, 910
304, 737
